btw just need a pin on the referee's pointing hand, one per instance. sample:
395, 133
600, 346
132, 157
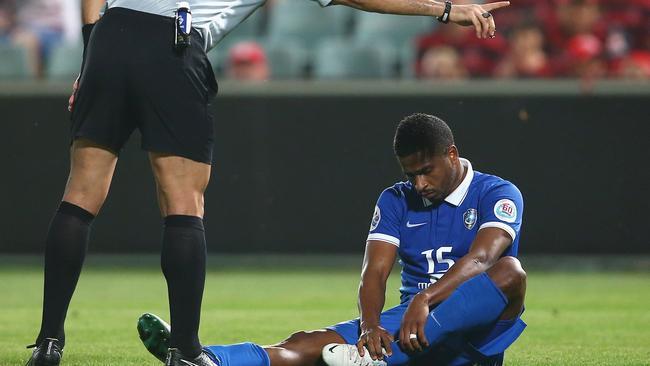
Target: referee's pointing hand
478, 15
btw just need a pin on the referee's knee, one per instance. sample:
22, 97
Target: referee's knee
182, 203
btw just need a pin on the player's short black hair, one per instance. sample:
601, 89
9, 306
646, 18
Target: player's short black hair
424, 133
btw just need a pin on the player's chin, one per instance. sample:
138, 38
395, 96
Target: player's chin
431, 195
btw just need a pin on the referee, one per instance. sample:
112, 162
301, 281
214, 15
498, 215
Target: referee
146, 68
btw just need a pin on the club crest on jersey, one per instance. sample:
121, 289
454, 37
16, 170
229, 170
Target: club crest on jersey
505, 210
469, 218
376, 217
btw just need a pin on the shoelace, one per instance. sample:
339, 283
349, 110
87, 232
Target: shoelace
51, 345
356, 358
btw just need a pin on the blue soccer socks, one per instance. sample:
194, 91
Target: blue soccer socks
475, 303
240, 354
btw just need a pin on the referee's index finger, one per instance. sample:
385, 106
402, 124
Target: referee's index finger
494, 6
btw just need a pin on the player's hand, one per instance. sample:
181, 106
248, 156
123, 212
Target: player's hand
75, 87
479, 16
413, 322
374, 338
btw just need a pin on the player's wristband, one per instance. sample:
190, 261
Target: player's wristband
444, 18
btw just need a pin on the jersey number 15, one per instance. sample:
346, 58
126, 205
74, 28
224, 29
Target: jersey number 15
439, 253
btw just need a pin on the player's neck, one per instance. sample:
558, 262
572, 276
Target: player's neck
460, 178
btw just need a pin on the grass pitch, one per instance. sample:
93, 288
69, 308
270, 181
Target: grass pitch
573, 318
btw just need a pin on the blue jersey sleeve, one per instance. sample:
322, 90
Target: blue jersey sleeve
387, 217
503, 207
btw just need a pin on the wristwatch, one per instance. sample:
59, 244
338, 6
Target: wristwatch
444, 18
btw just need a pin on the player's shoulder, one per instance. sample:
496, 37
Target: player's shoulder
487, 183
399, 189
401, 192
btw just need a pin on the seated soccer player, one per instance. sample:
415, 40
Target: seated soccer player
456, 231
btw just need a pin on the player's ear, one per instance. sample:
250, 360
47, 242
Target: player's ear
452, 152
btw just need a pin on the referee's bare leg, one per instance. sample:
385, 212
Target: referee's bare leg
181, 183
91, 172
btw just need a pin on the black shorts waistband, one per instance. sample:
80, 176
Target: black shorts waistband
148, 24
140, 15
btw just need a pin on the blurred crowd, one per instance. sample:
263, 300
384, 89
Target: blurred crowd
546, 39
587, 39
38, 26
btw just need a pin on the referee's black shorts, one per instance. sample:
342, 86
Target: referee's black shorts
133, 77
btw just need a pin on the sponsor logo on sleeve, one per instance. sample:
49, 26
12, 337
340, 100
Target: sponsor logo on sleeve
376, 217
505, 210
469, 218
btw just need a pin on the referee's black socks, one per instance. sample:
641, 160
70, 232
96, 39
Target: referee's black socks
65, 250
183, 263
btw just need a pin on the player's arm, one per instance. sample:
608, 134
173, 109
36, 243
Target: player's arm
377, 264
488, 246
466, 15
90, 10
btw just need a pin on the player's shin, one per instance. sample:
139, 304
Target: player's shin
183, 263
67, 242
240, 354
475, 303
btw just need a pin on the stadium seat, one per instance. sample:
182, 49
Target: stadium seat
287, 60
407, 59
306, 22
218, 56
394, 29
65, 62
343, 59
14, 63
251, 27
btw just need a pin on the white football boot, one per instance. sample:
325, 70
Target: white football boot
335, 354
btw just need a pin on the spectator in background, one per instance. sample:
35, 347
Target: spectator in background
442, 63
630, 18
49, 23
477, 56
583, 58
247, 62
526, 57
573, 18
7, 12
636, 66
12, 35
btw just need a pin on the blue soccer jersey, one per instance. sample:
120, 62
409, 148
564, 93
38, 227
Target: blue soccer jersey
432, 237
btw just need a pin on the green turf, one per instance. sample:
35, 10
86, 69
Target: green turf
573, 318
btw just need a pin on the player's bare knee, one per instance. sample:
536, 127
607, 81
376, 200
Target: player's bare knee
189, 206
304, 344
176, 200
297, 338
510, 277
90, 204
90, 199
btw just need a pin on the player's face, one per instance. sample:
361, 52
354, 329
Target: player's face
434, 177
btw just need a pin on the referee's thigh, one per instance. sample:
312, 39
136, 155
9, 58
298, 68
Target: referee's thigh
180, 183
91, 172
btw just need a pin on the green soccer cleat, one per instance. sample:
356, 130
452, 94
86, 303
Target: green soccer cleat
154, 334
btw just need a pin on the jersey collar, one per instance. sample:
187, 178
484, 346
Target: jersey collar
458, 195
